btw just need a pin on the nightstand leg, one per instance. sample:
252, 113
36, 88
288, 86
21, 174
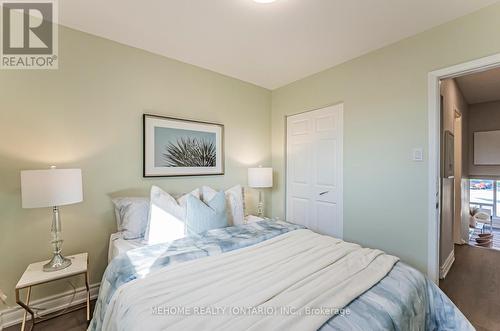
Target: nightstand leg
28, 296
88, 295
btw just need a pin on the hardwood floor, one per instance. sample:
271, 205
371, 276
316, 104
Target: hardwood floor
473, 284
74, 321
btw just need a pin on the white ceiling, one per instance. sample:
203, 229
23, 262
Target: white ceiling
269, 45
480, 87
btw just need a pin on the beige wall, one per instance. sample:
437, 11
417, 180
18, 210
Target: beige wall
87, 114
455, 110
483, 117
453, 100
385, 114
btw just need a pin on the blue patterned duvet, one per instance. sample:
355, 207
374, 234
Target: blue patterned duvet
403, 300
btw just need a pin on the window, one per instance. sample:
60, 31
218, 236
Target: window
485, 194
497, 200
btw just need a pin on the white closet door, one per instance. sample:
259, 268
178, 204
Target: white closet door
314, 170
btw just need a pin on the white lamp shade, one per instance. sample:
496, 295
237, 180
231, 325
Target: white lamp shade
260, 177
51, 187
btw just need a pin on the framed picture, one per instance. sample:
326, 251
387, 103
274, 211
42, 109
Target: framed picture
486, 147
177, 147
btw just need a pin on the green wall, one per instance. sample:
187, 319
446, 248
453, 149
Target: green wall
385, 116
88, 114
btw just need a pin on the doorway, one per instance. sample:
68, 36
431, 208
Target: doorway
435, 152
464, 117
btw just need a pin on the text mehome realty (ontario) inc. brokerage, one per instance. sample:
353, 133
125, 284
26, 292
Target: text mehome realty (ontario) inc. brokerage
29, 34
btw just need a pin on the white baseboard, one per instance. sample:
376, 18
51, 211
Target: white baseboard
50, 304
443, 270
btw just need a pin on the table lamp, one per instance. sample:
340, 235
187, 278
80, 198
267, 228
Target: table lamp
260, 178
52, 188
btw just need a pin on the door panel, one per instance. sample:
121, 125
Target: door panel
299, 162
324, 211
325, 123
300, 210
314, 170
300, 127
326, 167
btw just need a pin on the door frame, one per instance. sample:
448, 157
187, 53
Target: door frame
457, 181
434, 125
341, 150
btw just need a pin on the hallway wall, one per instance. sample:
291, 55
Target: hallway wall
451, 199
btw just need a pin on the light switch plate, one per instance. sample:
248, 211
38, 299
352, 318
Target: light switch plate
418, 154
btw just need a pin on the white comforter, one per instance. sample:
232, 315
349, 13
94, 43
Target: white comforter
295, 281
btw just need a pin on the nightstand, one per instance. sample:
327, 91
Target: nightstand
34, 275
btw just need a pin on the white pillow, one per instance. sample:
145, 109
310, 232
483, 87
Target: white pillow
167, 216
234, 203
131, 216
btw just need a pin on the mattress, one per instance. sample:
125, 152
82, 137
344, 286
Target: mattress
118, 245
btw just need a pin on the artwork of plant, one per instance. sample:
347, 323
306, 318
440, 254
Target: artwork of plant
178, 147
190, 152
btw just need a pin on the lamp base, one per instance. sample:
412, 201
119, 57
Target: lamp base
260, 206
58, 262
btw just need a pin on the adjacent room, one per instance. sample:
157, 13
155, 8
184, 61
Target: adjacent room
482, 93
470, 223
249, 165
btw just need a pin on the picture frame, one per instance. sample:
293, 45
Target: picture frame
486, 148
179, 147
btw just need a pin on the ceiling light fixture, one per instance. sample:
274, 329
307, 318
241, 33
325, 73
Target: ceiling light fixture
264, 1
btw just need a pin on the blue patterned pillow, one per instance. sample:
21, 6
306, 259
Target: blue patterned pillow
203, 216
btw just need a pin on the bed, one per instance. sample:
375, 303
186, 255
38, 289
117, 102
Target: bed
143, 279
118, 245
